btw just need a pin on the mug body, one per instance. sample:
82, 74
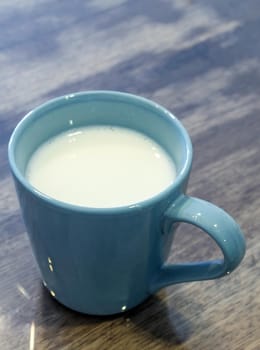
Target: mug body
98, 260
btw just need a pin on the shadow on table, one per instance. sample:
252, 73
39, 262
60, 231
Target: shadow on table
153, 317
161, 320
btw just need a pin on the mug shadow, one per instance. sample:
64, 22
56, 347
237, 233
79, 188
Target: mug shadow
160, 320
153, 319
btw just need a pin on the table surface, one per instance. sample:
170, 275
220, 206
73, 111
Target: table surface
201, 60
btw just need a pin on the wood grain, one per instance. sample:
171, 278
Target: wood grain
200, 59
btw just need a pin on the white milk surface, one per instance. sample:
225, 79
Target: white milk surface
101, 166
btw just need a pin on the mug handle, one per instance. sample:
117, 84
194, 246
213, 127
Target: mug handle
220, 226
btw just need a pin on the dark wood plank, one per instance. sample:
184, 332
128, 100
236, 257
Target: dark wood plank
200, 59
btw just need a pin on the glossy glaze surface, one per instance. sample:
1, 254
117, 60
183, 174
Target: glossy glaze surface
198, 59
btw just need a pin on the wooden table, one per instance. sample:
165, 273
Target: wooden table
201, 60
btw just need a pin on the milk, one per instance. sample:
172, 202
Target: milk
101, 166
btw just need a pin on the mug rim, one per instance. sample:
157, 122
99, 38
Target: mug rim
31, 115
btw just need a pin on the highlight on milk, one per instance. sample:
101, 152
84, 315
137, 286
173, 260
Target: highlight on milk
101, 166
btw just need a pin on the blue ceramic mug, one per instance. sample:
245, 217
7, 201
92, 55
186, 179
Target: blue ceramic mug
105, 261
